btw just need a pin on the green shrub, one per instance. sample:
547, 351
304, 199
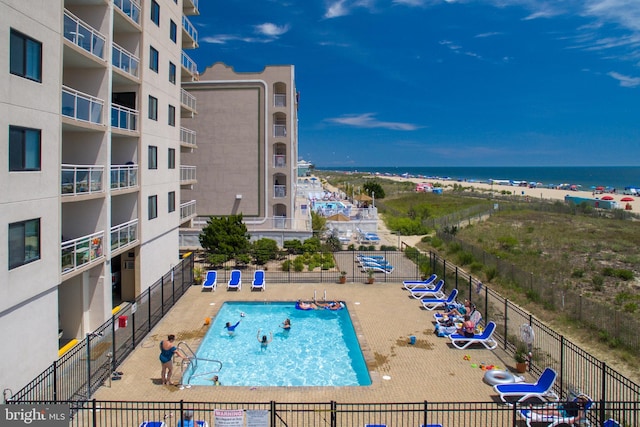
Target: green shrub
598, 282
286, 265
476, 267
465, 258
625, 275
298, 264
577, 273
631, 307
491, 273
293, 247
508, 243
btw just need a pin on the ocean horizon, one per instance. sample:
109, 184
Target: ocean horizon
585, 176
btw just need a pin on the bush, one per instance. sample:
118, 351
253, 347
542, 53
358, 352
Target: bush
264, 250
508, 243
298, 264
491, 273
465, 258
286, 265
598, 282
476, 267
293, 247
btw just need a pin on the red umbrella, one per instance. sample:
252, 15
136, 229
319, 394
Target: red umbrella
627, 199
607, 198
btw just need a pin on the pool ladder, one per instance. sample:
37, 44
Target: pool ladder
325, 295
192, 362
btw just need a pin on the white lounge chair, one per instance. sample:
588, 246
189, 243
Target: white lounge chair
435, 292
210, 281
574, 413
414, 284
235, 280
485, 338
520, 392
433, 303
258, 281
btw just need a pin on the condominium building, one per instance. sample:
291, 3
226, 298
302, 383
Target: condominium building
247, 127
90, 188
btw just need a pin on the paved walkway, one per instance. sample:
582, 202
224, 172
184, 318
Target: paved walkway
384, 316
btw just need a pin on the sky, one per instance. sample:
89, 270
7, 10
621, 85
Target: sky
445, 82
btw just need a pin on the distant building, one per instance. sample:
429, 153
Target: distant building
304, 168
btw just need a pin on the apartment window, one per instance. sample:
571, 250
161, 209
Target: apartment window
24, 149
24, 242
153, 58
172, 201
153, 157
172, 158
153, 108
172, 72
25, 57
173, 31
153, 207
155, 12
172, 115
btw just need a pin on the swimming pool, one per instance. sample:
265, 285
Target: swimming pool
321, 349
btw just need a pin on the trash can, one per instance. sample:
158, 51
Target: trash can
122, 321
412, 339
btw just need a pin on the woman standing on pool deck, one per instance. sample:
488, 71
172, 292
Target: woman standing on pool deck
263, 341
166, 354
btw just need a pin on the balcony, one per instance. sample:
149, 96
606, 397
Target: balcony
125, 61
188, 66
279, 191
187, 101
131, 9
81, 106
187, 175
189, 34
279, 130
280, 100
187, 210
187, 137
82, 35
81, 179
82, 251
190, 7
124, 176
123, 118
279, 161
122, 235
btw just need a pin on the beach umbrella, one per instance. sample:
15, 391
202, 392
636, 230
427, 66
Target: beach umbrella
627, 199
340, 217
607, 198
362, 198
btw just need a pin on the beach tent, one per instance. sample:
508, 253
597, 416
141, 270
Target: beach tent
362, 198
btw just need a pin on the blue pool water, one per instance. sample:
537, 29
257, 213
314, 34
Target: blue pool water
321, 349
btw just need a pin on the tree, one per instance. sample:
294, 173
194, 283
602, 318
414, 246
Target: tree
318, 223
225, 236
264, 250
374, 187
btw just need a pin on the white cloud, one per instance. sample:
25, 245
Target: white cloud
367, 120
219, 39
336, 10
625, 81
491, 34
271, 30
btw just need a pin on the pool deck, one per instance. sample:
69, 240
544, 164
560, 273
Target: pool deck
384, 316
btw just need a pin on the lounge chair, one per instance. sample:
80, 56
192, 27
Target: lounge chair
153, 424
414, 284
485, 338
611, 423
435, 292
385, 270
543, 415
210, 281
258, 281
235, 280
433, 303
521, 392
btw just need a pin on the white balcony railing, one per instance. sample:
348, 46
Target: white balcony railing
124, 234
127, 62
187, 173
189, 63
81, 179
81, 106
124, 176
131, 8
188, 136
279, 161
189, 28
187, 209
123, 117
280, 100
280, 130
81, 251
188, 100
279, 191
81, 34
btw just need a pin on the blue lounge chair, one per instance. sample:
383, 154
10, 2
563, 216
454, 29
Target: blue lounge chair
210, 281
258, 281
414, 284
485, 338
433, 303
235, 281
520, 392
548, 415
153, 424
435, 292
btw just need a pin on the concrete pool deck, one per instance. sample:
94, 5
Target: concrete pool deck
384, 316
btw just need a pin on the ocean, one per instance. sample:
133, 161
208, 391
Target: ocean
586, 177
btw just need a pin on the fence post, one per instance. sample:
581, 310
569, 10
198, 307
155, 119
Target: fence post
55, 380
94, 412
162, 296
561, 374
334, 418
424, 413
603, 391
182, 412
149, 308
88, 344
173, 289
272, 406
486, 304
114, 359
506, 322
470, 289
133, 328
456, 275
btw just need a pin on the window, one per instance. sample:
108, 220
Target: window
25, 57
24, 149
172, 72
153, 207
172, 115
153, 108
153, 157
155, 12
172, 158
24, 242
172, 201
153, 58
173, 31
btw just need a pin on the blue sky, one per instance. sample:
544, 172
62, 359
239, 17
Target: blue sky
445, 82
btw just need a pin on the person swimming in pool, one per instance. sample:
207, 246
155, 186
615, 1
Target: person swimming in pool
263, 341
231, 329
286, 325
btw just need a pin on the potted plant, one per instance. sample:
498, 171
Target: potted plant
343, 277
370, 277
198, 275
521, 361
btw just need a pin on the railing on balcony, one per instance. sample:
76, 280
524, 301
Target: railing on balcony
124, 176
123, 117
279, 130
189, 63
187, 173
81, 251
279, 191
194, 2
81, 34
123, 234
188, 100
81, 179
131, 8
188, 136
279, 161
124, 60
187, 209
190, 29
280, 100
81, 106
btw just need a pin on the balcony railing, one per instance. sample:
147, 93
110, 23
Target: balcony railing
194, 2
81, 34
81, 179
123, 234
188, 100
279, 130
280, 100
279, 161
187, 173
188, 136
131, 8
123, 117
81, 251
189, 63
189, 28
124, 60
187, 209
279, 191
81, 106
124, 176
